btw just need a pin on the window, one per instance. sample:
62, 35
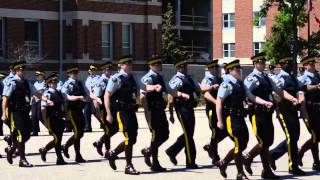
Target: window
1, 37
229, 50
257, 47
106, 41
126, 39
32, 36
228, 20
261, 21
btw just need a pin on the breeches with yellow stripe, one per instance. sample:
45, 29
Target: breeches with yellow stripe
21, 125
237, 131
158, 126
128, 124
187, 120
313, 124
56, 126
289, 121
77, 119
217, 134
263, 129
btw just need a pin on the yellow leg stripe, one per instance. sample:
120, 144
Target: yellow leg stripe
126, 142
186, 139
212, 129
11, 122
229, 129
314, 137
55, 137
102, 121
7, 112
119, 122
153, 135
73, 124
288, 139
255, 130
19, 136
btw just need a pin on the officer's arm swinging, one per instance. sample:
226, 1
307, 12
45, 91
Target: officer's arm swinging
107, 96
4, 107
219, 103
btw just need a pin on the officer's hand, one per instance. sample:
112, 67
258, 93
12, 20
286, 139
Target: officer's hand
4, 118
220, 125
185, 96
99, 101
268, 104
295, 101
50, 103
109, 118
215, 86
81, 98
158, 88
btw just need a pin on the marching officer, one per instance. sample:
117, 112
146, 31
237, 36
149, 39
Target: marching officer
2, 76
311, 79
185, 92
76, 96
209, 86
17, 97
52, 108
259, 88
99, 91
10, 137
230, 115
121, 106
155, 88
89, 109
288, 116
40, 85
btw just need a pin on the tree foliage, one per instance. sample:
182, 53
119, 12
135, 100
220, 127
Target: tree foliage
171, 44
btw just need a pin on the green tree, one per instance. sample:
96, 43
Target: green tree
284, 39
171, 44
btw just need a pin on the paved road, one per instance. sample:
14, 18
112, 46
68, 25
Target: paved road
97, 168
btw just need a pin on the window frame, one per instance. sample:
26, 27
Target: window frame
130, 39
261, 19
2, 34
111, 41
38, 21
228, 20
229, 51
260, 44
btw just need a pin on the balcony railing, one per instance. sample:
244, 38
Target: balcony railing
195, 50
192, 20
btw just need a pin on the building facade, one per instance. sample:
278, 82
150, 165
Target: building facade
93, 30
234, 34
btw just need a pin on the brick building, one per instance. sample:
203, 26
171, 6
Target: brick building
234, 34
94, 30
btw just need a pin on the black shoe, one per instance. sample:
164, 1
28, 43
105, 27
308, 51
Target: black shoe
65, 151
172, 158
0, 156
87, 130
269, 175
61, 162
68, 130
297, 172
147, 154
25, 163
79, 159
9, 152
131, 170
207, 148
247, 160
112, 160
192, 166
156, 167
222, 167
98, 146
8, 139
272, 163
34, 134
107, 154
43, 154
241, 176
316, 166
